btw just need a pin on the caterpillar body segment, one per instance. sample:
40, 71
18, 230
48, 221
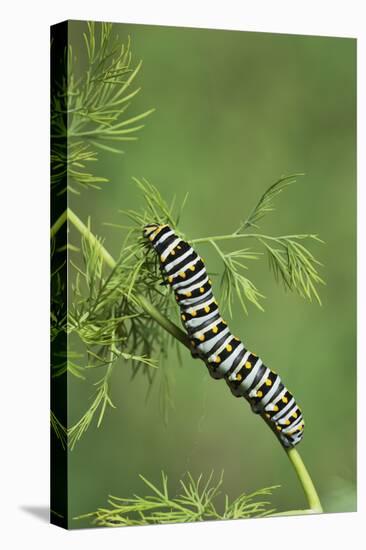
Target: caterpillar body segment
211, 340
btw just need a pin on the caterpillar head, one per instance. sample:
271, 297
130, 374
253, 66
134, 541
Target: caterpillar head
149, 229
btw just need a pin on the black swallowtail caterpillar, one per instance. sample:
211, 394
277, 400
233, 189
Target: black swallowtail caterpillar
224, 355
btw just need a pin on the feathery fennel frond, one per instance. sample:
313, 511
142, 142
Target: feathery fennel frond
59, 430
106, 316
58, 321
72, 163
89, 108
265, 203
247, 505
233, 283
157, 209
101, 400
197, 501
108, 323
290, 259
294, 264
64, 361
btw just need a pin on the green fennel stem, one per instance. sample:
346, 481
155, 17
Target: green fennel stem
246, 236
58, 223
305, 480
293, 455
149, 308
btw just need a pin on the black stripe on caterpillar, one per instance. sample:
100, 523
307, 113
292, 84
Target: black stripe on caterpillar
224, 355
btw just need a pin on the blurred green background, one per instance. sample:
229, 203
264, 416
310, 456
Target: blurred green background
234, 111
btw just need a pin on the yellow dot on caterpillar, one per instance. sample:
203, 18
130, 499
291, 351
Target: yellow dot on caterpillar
188, 294
193, 313
182, 275
248, 365
183, 317
236, 339
239, 377
173, 253
294, 415
192, 267
217, 359
275, 408
201, 337
179, 247
151, 237
162, 259
229, 348
254, 354
207, 309
287, 422
268, 382
209, 282
268, 415
170, 279
279, 428
259, 393
284, 400
202, 290
215, 330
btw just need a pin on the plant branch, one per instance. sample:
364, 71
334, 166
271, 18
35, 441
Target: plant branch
251, 235
289, 259
305, 480
149, 308
86, 233
196, 501
58, 224
293, 455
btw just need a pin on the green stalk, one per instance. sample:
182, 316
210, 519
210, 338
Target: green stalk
149, 308
246, 236
305, 480
163, 321
87, 234
293, 455
58, 223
